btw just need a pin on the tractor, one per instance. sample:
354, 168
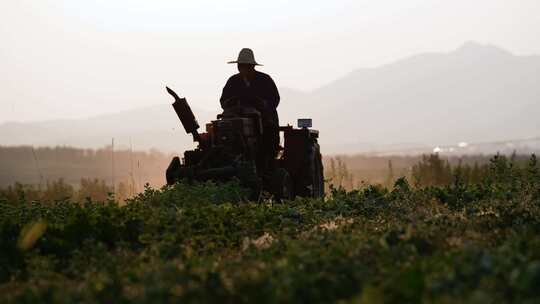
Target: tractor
229, 148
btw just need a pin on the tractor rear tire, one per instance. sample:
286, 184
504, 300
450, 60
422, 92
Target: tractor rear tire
317, 172
171, 174
310, 182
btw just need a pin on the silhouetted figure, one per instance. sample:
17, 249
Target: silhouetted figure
255, 89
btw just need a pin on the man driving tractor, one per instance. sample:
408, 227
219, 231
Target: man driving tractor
251, 88
243, 142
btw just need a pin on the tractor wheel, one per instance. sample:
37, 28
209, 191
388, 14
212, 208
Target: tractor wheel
281, 185
311, 183
317, 175
318, 182
171, 174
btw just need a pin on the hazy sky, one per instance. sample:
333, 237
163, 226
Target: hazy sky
75, 58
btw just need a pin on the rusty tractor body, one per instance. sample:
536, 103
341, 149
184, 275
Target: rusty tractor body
230, 146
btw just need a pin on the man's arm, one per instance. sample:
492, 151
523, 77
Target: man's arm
226, 93
273, 93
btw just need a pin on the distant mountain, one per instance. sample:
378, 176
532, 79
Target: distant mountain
477, 93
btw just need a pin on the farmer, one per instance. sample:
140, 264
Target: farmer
255, 89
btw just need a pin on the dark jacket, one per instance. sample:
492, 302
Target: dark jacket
262, 86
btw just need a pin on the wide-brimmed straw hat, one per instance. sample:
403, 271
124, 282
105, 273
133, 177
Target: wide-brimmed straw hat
245, 56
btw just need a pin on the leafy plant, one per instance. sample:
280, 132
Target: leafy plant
461, 241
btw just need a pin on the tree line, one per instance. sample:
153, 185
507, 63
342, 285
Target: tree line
55, 173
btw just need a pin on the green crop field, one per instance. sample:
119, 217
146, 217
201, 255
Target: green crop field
461, 242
